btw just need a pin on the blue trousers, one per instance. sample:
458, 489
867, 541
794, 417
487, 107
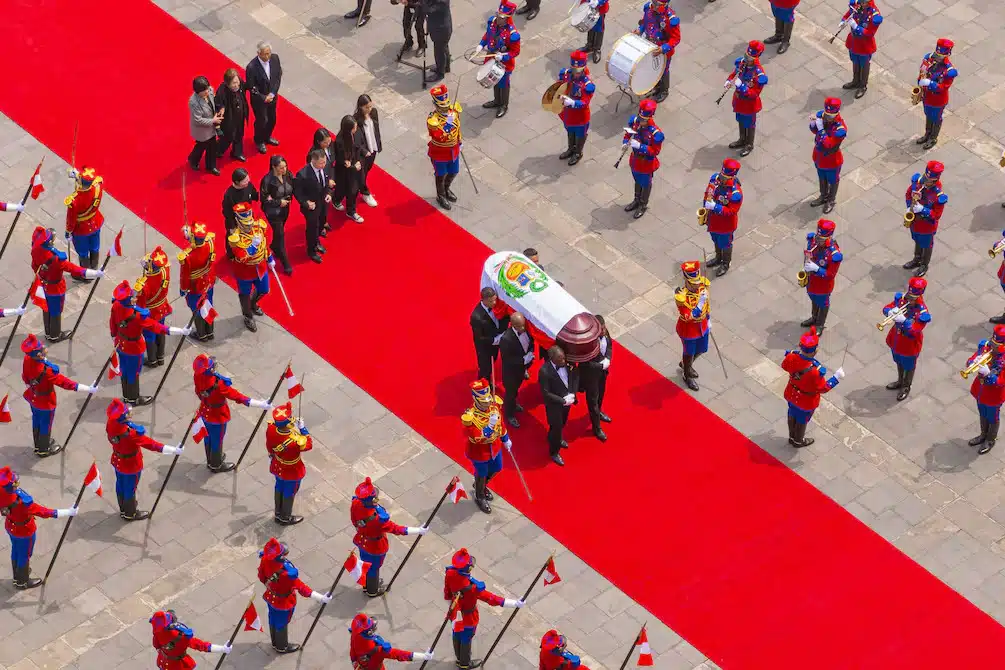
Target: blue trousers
906, 362
375, 561
280, 619
85, 245
54, 304
989, 413
747, 121
41, 420
802, 416
150, 337
488, 468
784, 14
130, 365
925, 241
578, 131
820, 299
215, 432
21, 549
443, 168
859, 59
934, 114
829, 175
192, 299
643, 179
287, 487
721, 240
465, 635
696, 346
261, 285
125, 485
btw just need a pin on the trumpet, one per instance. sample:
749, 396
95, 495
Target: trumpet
702, 216
890, 318
983, 359
999, 246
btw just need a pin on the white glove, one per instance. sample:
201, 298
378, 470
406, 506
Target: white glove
709, 204
72, 172
568, 102
168, 450
15, 207
917, 207
820, 123
729, 82
15, 311
630, 131
925, 82
451, 119
498, 57
94, 274
513, 604
594, 4
842, 24
495, 340
259, 404
853, 23
424, 655
606, 363
421, 530
272, 264
983, 370
321, 597
60, 513
702, 300
84, 388
478, 50
220, 649
810, 266
528, 358
900, 318
175, 330
636, 144
839, 373
570, 399
301, 425
256, 241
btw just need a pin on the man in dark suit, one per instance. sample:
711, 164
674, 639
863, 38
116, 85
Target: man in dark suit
558, 383
265, 75
516, 348
310, 188
440, 26
487, 330
593, 380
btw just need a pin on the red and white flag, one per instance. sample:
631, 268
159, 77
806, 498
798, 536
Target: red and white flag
37, 188
92, 482
199, 430
645, 653
251, 619
113, 366
38, 295
357, 569
206, 310
293, 387
116, 248
5, 410
456, 490
550, 573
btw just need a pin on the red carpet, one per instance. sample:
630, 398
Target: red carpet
738, 554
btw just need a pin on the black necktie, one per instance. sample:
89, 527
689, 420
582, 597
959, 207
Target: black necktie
320, 179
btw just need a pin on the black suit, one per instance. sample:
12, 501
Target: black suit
513, 367
440, 26
593, 380
485, 330
259, 86
306, 187
554, 392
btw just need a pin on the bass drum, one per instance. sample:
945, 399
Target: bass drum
636, 64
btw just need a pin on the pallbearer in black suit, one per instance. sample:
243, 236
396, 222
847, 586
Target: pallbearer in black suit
265, 76
593, 380
516, 349
487, 329
558, 387
310, 188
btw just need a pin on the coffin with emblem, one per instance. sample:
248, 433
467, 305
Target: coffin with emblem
552, 314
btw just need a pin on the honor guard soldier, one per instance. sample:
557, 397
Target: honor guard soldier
213, 391
925, 202
152, 293
935, 78
459, 582
173, 639
20, 510
807, 382
661, 26
863, 19
784, 12
128, 441
444, 126
84, 218
645, 139
723, 199
575, 112
829, 132
251, 242
692, 320
285, 439
129, 325
502, 42
910, 315
41, 378
595, 35
198, 274
822, 261
487, 434
11, 207
748, 80
373, 523
555, 656
282, 584
988, 388
368, 651
49, 263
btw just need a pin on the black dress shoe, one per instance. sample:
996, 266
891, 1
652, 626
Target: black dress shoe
195, 166
261, 148
239, 158
523, 10
272, 142
513, 422
215, 172
518, 407
564, 444
501, 112
315, 258
365, 20
558, 460
321, 249
354, 14
605, 418
434, 76
600, 435
531, 14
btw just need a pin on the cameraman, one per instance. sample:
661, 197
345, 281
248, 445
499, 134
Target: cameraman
440, 27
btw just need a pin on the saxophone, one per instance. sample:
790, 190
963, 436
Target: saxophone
909, 216
803, 278
923, 73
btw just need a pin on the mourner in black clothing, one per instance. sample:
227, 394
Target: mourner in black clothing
440, 26
230, 98
324, 141
516, 350
240, 190
559, 384
310, 188
348, 167
487, 330
593, 381
369, 126
265, 76
413, 14
277, 194
361, 14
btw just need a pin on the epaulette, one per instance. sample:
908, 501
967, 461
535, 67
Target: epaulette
467, 418
183, 254
234, 238
138, 286
680, 295
68, 200
433, 120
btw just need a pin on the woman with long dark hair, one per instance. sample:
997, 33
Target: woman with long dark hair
348, 167
277, 194
367, 120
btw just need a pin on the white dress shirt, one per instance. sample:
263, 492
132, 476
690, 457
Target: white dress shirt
266, 67
563, 374
603, 347
371, 137
491, 314
320, 176
524, 340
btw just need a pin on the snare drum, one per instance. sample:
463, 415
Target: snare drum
490, 74
584, 17
636, 64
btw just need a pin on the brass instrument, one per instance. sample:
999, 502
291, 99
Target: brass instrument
999, 246
983, 359
702, 216
923, 74
891, 317
1001, 161
803, 277
551, 101
910, 216
915, 95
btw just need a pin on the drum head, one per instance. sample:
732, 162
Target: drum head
647, 72
579, 19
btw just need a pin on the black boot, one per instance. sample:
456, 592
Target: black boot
801, 439
255, 309
55, 333
791, 420
643, 202
464, 659
727, 258
215, 462
249, 316
989, 443
130, 511
821, 319
480, 499
777, 37
577, 154
488, 494
447, 181
161, 346
150, 356
374, 586
23, 579
856, 78
822, 198
131, 393
715, 261
905, 390
571, 147
893, 386
864, 82
812, 321
749, 146
278, 505
741, 140
926, 258
687, 368
928, 133
496, 100
933, 140
503, 103
786, 38
979, 440
441, 196
289, 518
916, 261
634, 204
997, 320
832, 191
281, 641
45, 446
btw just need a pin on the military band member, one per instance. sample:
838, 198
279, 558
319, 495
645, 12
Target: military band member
128, 441
905, 339
807, 382
829, 131
693, 319
282, 584
368, 651
152, 292
723, 199
925, 201
661, 26
935, 78
748, 80
173, 639
50, 263
198, 274
595, 35
487, 434
1000, 246
822, 261
458, 582
84, 217
555, 655
19, 510
575, 112
444, 126
784, 12
251, 242
863, 19
41, 378
988, 388
286, 438
645, 139
372, 524
502, 42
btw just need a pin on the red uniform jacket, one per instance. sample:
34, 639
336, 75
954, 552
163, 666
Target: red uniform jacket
581, 90
862, 40
369, 653
250, 260
785, 4
284, 451
282, 584
829, 259
907, 338
127, 328
82, 215
1001, 274
444, 145
645, 159
942, 75
128, 445
827, 143
729, 200
749, 82
152, 293
486, 433
471, 591
807, 380
692, 320
21, 515
41, 380
372, 526
172, 649
504, 40
660, 28
926, 222
52, 269
214, 392
602, 7
198, 271
989, 389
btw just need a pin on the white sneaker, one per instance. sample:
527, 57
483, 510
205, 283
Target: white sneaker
357, 218
370, 200
340, 207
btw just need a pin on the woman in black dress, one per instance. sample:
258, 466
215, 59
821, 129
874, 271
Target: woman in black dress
230, 97
369, 123
277, 194
349, 154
